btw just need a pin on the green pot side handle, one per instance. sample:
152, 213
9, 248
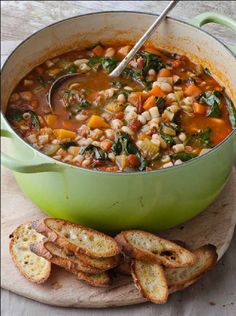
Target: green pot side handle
211, 17
22, 167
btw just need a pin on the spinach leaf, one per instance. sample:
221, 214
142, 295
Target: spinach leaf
117, 84
136, 76
201, 139
168, 139
116, 146
83, 105
160, 103
124, 143
151, 61
232, 111
34, 119
99, 154
212, 99
72, 69
95, 62
183, 156
66, 145
108, 63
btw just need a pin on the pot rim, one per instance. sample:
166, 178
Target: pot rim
186, 163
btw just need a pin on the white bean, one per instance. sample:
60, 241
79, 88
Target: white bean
121, 98
116, 124
127, 130
182, 137
178, 148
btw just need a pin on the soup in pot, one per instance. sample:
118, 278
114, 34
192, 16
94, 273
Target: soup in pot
162, 111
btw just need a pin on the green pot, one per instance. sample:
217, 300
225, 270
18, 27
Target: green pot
153, 200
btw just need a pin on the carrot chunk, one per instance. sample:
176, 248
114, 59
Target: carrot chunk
97, 121
98, 51
199, 108
164, 73
157, 92
149, 103
192, 90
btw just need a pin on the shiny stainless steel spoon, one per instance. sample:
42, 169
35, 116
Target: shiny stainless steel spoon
122, 65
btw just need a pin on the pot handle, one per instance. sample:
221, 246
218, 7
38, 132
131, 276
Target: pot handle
212, 17
22, 167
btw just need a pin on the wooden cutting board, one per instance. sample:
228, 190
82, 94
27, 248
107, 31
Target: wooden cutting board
215, 225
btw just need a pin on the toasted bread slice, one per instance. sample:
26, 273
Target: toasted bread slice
99, 263
31, 266
148, 247
149, 278
77, 238
60, 257
180, 278
98, 280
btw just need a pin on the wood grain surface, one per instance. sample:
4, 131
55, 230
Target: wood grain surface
22, 18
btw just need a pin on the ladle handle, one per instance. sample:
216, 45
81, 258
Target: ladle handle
118, 70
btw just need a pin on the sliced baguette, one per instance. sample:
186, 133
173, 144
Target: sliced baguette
148, 247
60, 257
77, 238
99, 263
98, 280
149, 278
180, 278
34, 268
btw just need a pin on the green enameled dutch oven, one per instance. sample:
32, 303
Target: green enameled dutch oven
153, 200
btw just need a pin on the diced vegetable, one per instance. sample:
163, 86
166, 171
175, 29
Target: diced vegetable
149, 103
114, 106
149, 150
192, 90
97, 121
164, 73
199, 108
64, 133
157, 92
51, 119
50, 149
98, 51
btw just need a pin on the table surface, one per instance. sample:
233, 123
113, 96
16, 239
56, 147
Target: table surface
215, 293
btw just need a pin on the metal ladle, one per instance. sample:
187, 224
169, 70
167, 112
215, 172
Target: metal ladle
122, 65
